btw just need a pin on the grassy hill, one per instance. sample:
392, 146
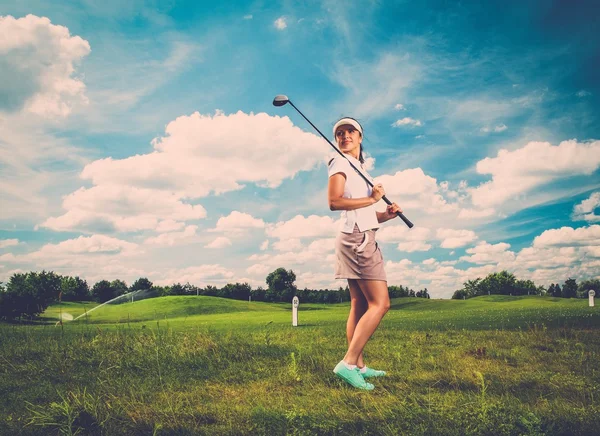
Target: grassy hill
205, 365
485, 312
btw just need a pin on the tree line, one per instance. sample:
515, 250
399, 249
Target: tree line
29, 294
505, 283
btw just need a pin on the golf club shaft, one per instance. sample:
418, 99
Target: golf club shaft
400, 214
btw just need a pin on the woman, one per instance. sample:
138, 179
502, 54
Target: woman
359, 258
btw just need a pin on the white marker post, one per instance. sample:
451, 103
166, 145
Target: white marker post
591, 295
295, 304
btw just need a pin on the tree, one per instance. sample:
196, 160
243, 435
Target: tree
502, 283
141, 284
525, 287
569, 289
29, 294
281, 285
557, 291
237, 291
103, 291
119, 287
74, 289
588, 285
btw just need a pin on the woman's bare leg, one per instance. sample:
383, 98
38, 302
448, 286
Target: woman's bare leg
358, 307
376, 294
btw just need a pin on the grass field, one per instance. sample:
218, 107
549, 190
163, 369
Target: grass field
205, 365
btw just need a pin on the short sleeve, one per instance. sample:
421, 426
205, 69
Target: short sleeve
338, 165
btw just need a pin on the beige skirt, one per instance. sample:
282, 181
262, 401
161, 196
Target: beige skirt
358, 256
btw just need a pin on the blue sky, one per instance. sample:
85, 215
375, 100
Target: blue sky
140, 139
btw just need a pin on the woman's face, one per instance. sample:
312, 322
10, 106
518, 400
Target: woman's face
348, 139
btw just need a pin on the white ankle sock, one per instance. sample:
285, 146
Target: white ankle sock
349, 366
363, 369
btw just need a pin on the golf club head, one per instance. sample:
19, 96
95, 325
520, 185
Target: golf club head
280, 100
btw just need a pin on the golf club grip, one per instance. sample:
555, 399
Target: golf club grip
400, 214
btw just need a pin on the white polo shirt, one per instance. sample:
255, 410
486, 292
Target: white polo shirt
355, 187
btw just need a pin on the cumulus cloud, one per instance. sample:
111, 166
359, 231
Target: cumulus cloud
585, 209
399, 107
519, 171
288, 245
202, 275
407, 121
238, 222
248, 17
172, 238
73, 249
198, 155
37, 60
280, 23
417, 191
220, 242
568, 236
302, 227
451, 238
484, 253
110, 207
8, 242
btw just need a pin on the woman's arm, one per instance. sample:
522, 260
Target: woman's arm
335, 192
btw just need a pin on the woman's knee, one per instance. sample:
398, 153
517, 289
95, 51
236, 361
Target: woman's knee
358, 304
381, 306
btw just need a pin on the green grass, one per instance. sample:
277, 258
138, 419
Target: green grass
204, 365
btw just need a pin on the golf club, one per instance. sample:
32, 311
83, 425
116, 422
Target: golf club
281, 100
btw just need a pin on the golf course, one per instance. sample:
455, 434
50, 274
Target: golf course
215, 366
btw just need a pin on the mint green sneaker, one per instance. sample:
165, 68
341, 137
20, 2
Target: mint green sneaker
352, 376
370, 372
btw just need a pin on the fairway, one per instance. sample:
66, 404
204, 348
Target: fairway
207, 365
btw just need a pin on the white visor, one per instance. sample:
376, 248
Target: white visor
350, 121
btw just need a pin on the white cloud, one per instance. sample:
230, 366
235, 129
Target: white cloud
169, 225
248, 17
8, 242
413, 246
585, 209
110, 207
399, 107
288, 245
258, 270
220, 242
497, 129
172, 238
407, 121
567, 236
583, 93
139, 191
264, 245
74, 249
473, 213
452, 238
237, 222
416, 191
280, 23
37, 61
485, 253
516, 172
302, 227
401, 233
202, 275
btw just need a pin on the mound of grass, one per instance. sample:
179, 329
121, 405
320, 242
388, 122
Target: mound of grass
173, 307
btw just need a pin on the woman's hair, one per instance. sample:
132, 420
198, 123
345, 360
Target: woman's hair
361, 159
